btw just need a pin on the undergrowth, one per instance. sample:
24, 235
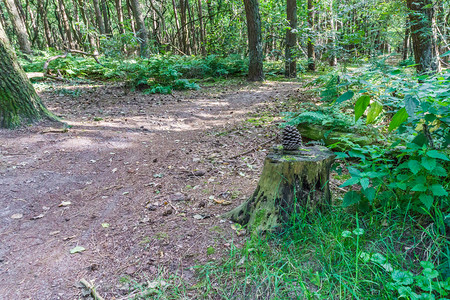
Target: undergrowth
337, 255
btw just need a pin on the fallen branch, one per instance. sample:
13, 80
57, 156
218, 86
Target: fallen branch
254, 148
59, 77
91, 289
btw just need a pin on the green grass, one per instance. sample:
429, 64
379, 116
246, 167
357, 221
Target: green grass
334, 255
325, 256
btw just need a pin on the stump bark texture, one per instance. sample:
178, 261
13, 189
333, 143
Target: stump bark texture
290, 180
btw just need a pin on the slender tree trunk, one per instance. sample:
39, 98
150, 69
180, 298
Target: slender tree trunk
202, 28
332, 59
406, 40
66, 24
421, 15
130, 16
19, 26
255, 68
184, 29
98, 17
104, 10
91, 38
291, 39
19, 103
141, 29
311, 55
177, 24
120, 21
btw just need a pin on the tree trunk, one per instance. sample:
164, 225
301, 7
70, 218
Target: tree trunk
332, 42
310, 47
19, 26
91, 38
202, 28
120, 21
421, 16
141, 29
66, 24
177, 24
184, 29
106, 22
255, 68
290, 69
290, 181
19, 103
406, 40
43, 13
98, 17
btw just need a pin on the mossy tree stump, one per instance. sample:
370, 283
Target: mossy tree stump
289, 180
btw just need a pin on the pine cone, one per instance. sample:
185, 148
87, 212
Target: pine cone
292, 139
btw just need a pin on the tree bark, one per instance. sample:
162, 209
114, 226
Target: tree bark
290, 181
106, 22
141, 29
255, 68
184, 28
332, 61
19, 27
43, 13
98, 17
290, 69
310, 47
406, 40
66, 24
19, 103
202, 29
421, 16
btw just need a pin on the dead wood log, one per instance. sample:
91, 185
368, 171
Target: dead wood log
290, 181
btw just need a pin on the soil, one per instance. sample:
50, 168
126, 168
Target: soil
137, 180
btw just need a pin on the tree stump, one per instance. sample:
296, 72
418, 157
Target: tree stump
289, 180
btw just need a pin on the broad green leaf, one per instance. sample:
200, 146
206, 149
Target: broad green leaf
374, 110
378, 258
351, 198
427, 264
437, 154
346, 233
361, 106
364, 182
411, 104
440, 171
402, 185
414, 166
403, 278
420, 187
430, 273
438, 190
351, 181
370, 194
429, 163
345, 96
399, 117
426, 200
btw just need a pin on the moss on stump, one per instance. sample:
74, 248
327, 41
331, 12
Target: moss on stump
289, 180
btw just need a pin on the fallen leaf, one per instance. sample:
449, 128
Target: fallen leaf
54, 232
105, 225
65, 203
222, 201
198, 217
77, 249
17, 216
114, 170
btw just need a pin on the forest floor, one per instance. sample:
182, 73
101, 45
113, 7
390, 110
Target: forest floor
137, 180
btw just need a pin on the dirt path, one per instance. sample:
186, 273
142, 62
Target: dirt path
138, 181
